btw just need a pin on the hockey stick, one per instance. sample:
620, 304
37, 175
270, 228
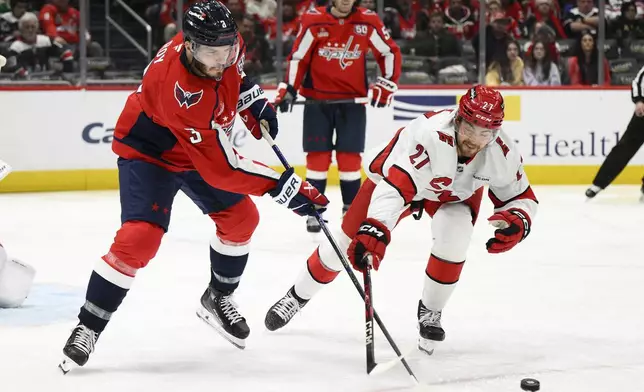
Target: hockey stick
344, 261
368, 305
332, 101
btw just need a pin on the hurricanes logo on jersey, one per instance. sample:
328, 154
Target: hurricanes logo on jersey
186, 98
344, 54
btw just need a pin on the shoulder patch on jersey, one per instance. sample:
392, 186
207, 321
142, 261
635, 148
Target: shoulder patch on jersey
186, 98
240, 64
503, 146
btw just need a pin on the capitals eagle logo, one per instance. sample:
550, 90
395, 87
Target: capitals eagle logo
186, 98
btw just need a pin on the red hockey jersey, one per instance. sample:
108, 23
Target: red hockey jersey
182, 122
329, 55
57, 23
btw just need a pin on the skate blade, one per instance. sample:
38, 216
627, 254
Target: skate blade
426, 345
213, 321
66, 365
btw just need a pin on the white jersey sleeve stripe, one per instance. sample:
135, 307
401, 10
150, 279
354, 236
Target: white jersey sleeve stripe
384, 49
637, 87
238, 162
302, 50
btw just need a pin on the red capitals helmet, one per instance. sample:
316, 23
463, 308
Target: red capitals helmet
483, 107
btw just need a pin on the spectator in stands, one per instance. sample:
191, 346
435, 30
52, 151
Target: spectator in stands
258, 59
545, 14
4, 7
401, 20
290, 26
545, 34
539, 70
434, 43
514, 9
368, 4
31, 51
627, 26
496, 39
459, 20
583, 67
501, 16
237, 7
60, 23
507, 68
261, 9
581, 18
9, 20
168, 17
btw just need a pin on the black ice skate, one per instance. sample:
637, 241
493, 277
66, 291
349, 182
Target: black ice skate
78, 348
430, 329
283, 311
642, 193
593, 191
345, 208
312, 225
220, 312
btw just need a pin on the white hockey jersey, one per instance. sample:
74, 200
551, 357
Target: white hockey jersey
421, 162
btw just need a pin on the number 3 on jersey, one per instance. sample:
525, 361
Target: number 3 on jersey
196, 136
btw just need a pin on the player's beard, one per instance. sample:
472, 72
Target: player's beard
467, 148
210, 72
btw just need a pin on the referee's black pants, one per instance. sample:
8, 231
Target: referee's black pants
619, 156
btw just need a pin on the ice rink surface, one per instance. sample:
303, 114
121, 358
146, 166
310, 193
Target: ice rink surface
565, 306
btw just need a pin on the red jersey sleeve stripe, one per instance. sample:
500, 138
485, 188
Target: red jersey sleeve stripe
498, 203
378, 162
402, 182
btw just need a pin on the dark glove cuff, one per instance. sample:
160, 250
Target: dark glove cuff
291, 90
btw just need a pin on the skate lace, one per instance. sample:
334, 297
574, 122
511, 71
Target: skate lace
229, 308
430, 318
84, 339
287, 307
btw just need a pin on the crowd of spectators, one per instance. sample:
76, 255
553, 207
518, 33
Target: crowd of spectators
528, 42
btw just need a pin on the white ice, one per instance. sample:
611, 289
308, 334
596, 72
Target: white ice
565, 306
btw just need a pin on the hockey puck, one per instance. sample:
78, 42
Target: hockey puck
530, 384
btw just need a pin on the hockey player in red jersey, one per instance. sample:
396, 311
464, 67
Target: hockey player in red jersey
173, 135
328, 62
438, 163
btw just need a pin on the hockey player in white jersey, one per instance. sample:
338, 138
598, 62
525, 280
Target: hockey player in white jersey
439, 163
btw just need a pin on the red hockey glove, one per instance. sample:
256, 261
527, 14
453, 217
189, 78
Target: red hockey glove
298, 196
383, 92
372, 237
513, 226
286, 94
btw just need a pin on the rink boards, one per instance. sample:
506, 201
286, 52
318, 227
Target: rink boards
59, 139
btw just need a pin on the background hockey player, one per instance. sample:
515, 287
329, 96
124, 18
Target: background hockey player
16, 277
173, 135
328, 62
627, 146
438, 163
